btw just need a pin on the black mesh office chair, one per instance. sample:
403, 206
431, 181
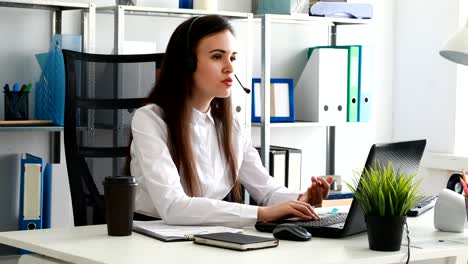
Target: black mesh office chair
102, 92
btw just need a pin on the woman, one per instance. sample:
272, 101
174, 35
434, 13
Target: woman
188, 151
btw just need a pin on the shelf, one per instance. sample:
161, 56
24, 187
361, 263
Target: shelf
43, 4
170, 12
294, 124
308, 19
31, 128
309, 124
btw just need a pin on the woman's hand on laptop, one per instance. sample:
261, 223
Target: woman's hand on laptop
317, 191
286, 210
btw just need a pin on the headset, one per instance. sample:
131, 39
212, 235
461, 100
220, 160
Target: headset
191, 61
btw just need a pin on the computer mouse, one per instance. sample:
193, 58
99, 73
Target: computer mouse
292, 232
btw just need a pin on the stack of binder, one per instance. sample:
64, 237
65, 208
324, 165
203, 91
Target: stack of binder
329, 88
285, 166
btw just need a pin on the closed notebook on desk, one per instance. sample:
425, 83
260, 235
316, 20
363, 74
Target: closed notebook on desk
235, 241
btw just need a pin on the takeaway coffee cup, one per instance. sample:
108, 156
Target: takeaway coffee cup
119, 196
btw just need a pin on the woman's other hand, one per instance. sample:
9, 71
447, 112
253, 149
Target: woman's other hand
317, 191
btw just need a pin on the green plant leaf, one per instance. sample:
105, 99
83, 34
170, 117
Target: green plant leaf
384, 190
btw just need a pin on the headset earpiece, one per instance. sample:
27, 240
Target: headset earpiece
191, 61
191, 64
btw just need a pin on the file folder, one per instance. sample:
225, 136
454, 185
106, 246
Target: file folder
321, 91
31, 192
60, 213
293, 167
365, 91
354, 77
277, 165
47, 197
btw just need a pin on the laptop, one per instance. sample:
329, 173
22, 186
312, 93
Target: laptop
404, 156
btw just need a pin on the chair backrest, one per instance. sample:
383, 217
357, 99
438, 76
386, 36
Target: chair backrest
102, 92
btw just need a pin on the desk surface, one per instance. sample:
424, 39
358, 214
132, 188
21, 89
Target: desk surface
91, 244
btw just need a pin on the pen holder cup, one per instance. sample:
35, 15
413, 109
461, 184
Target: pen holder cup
16, 105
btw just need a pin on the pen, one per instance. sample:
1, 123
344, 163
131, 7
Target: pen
28, 87
22, 87
16, 87
6, 88
465, 188
464, 175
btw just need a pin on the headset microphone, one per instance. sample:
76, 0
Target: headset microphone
246, 90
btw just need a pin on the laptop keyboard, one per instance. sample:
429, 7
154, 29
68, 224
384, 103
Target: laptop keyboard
326, 220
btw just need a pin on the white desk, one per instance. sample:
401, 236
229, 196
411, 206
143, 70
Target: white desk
91, 244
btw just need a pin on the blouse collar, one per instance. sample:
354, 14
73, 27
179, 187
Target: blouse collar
199, 117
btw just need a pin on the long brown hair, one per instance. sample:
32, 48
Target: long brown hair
173, 90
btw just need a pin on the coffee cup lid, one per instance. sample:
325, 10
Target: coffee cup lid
120, 179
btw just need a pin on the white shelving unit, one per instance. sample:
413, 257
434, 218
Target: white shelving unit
33, 139
266, 23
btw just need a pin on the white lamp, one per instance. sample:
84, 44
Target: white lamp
456, 48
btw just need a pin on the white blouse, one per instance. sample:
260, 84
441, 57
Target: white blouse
160, 192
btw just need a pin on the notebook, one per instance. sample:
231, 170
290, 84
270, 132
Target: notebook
235, 241
404, 156
172, 233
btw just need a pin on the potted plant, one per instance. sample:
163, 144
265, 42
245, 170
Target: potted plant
385, 195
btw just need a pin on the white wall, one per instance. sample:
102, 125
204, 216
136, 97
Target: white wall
425, 92
425, 83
